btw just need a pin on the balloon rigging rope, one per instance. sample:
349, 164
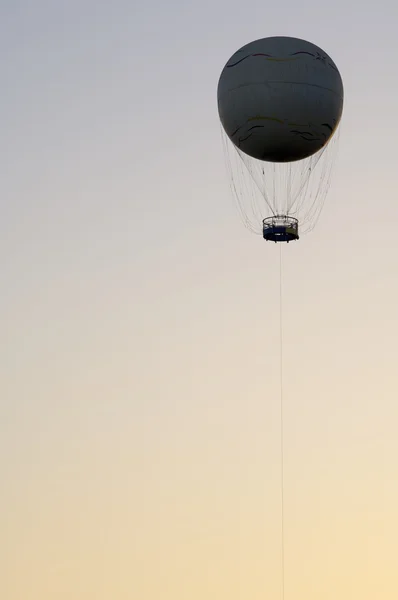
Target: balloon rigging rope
281, 424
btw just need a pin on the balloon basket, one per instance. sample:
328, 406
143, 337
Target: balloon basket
280, 228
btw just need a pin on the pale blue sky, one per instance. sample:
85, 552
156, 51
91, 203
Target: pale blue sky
138, 364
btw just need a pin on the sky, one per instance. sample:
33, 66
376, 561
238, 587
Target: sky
139, 423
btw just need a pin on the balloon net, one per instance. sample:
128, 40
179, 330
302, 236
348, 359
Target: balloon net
264, 189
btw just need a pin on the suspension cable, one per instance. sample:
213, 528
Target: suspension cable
281, 424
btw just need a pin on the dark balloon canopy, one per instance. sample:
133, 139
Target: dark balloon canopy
280, 99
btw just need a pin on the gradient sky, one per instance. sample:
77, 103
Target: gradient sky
139, 428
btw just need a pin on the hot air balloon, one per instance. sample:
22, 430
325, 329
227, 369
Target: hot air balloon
280, 102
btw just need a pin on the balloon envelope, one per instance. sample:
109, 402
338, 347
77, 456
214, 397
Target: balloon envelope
280, 99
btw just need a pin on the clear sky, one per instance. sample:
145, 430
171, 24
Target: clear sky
139, 440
